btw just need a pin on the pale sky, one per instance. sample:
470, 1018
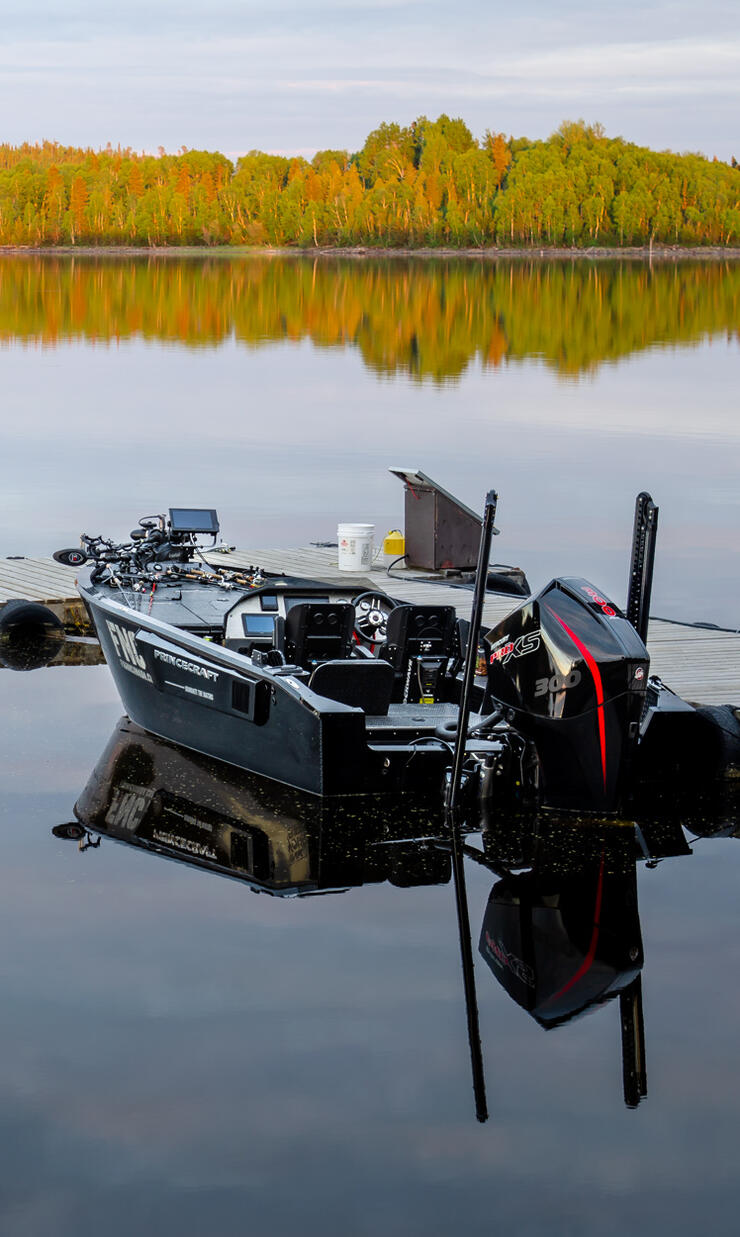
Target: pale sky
296, 77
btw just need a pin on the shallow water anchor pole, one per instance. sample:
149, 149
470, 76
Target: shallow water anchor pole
466, 955
642, 557
451, 808
463, 716
634, 1073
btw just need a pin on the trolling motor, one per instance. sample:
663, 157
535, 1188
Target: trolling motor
157, 539
174, 539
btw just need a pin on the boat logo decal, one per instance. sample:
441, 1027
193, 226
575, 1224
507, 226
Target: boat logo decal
124, 642
503, 957
600, 601
506, 648
557, 683
128, 807
187, 844
191, 691
190, 667
186, 819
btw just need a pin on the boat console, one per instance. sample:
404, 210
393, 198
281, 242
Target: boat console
414, 660
260, 619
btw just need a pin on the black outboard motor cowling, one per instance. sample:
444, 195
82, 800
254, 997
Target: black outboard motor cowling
573, 671
561, 945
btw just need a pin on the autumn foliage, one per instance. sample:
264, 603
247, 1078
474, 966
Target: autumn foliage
429, 184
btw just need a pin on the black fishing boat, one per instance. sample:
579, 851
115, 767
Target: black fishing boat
337, 691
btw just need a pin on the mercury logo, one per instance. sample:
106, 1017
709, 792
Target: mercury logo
506, 649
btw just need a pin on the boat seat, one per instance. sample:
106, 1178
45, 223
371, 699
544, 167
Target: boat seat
318, 631
416, 633
366, 685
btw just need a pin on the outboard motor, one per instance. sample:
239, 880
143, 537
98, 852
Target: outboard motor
572, 672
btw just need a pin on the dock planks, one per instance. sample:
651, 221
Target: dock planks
701, 664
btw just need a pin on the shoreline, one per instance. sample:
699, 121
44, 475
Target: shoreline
643, 253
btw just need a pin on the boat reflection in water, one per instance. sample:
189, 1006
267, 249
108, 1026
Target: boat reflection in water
150, 793
561, 930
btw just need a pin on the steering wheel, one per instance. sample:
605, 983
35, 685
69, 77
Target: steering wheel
371, 616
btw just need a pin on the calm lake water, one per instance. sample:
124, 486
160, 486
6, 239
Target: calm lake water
180, 1055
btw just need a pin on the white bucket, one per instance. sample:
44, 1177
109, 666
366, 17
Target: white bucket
355, 546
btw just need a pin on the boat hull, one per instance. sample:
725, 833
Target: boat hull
207, 698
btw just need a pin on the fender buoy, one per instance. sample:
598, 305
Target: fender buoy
722, 728
30, 635
28, 616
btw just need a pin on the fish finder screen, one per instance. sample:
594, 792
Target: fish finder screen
258, 624
193, 520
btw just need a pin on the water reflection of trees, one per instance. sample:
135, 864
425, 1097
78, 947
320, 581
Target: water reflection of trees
426, 319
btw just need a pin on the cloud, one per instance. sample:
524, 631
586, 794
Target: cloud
239, 76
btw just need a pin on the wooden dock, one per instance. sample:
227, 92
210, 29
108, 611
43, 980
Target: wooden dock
701, 664
46, 581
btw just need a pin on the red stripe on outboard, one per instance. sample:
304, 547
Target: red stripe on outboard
596, 676
588, 960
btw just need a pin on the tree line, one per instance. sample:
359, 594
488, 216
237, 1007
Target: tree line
429, 321
428, 184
